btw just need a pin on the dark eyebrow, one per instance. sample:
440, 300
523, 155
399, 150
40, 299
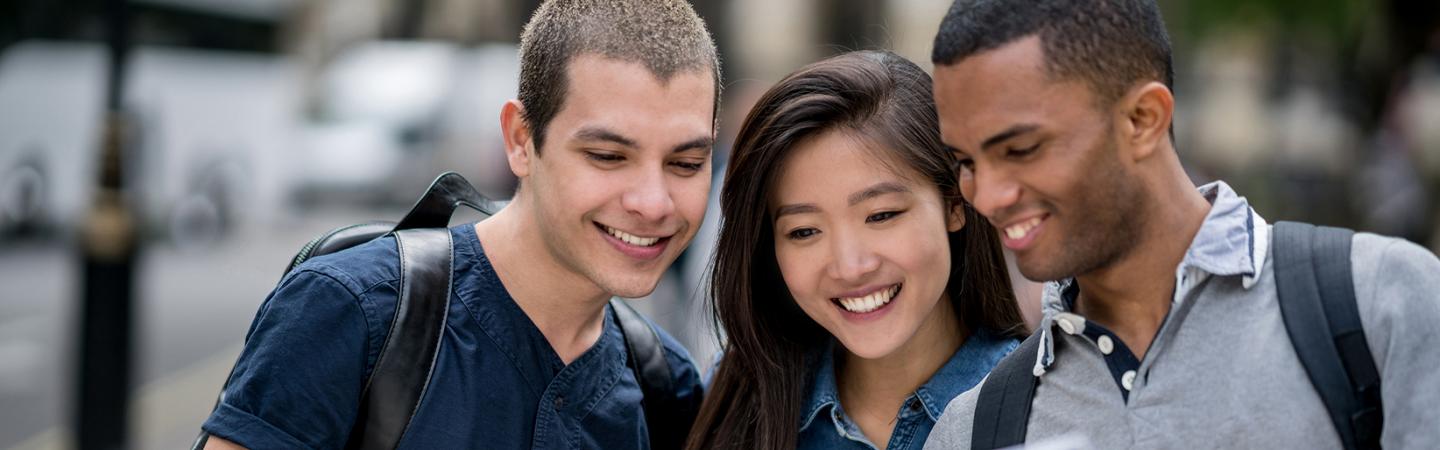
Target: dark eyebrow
798, 208
882, 188
701, 143
888, 187
602, 134
1008, 134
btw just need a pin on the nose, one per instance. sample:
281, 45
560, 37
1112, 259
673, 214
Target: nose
853, 260
993, 191
649, 197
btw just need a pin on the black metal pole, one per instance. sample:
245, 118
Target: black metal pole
409, 22
108, 266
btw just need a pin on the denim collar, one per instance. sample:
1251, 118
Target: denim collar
1233, 241
970, 364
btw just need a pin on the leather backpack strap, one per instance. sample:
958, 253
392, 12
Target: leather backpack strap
420, 309
1316, 290
667, 417
403, 369
1002, 410
437, 205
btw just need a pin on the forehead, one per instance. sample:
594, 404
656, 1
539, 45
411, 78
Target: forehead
832, 165
627, 97
998, 88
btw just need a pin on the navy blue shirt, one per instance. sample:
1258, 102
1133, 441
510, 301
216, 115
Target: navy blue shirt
825, 425
497, 383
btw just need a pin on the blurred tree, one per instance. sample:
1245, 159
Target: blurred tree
1359, 54
1337, 17
1373, 42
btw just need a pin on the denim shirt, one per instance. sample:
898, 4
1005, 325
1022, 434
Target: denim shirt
496, 383
824, 424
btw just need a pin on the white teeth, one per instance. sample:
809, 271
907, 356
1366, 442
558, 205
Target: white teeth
632, 239
1019, 230
870, 302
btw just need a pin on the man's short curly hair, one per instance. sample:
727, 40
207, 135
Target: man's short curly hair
667, 36
1111, 44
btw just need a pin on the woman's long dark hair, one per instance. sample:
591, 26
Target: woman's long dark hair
754, 400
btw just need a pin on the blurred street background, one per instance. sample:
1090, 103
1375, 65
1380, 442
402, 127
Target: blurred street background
211, 139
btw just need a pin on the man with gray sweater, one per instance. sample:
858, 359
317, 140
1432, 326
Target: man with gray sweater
1168, 322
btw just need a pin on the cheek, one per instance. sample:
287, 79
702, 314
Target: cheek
691, 197
799, 270
1084, 160
587, 188
583, 193
923, 253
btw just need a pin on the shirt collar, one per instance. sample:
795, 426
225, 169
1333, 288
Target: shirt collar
970, 364
824, 393
981, 351
1232, 241
483, 295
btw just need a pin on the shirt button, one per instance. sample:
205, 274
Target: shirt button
1070, 323
1106, 344
559, 402
1128, 380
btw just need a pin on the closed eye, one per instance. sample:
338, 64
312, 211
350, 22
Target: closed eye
801, 234
604, 157
882, 216
689, 166
1021, 152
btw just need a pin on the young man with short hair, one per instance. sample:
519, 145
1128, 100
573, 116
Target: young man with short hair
611, 139
1162, 325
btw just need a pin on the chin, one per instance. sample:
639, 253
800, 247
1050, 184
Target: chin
632, 288
868, 349
1040, 273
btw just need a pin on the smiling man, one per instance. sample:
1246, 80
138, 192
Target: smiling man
1165, 324
611, 138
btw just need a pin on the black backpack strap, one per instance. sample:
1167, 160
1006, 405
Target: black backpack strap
403, 369
667, 417
447, 192
339, 239
1317, 301
412, 344
1002, 410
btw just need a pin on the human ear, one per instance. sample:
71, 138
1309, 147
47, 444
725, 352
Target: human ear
956, 219
518, 140
1146, 113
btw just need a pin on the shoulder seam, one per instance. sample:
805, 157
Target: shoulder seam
333, 273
